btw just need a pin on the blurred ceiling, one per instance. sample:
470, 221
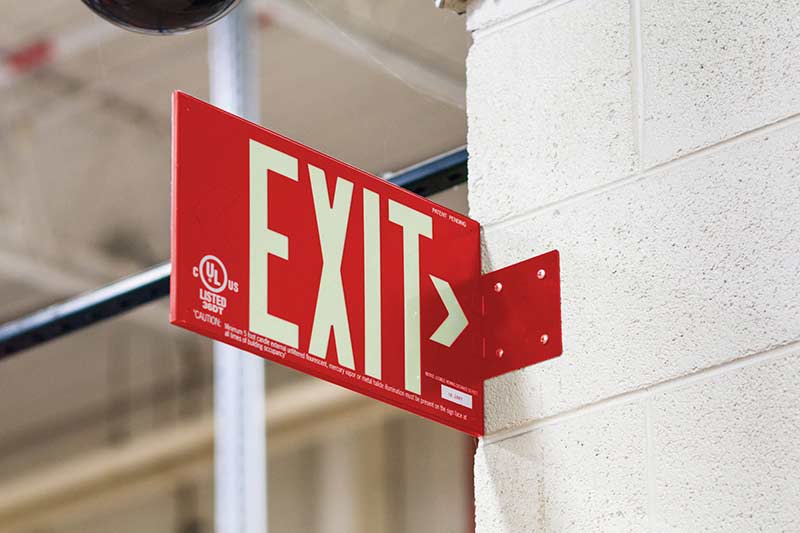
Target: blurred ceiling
85, 169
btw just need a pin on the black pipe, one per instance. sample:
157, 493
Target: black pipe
425, 178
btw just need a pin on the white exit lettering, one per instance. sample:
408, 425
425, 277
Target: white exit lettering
332, 215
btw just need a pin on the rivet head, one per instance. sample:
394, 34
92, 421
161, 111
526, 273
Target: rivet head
499, 353
541, 273
498, 287
544, 338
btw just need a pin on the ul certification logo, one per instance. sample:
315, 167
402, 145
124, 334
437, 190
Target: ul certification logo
214, 277
213, 273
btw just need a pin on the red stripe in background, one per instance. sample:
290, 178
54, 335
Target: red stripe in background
30, 56
263, 20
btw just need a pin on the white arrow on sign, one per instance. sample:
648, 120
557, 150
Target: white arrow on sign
449, 330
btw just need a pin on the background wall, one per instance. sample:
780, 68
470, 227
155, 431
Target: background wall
656, 144
111, 429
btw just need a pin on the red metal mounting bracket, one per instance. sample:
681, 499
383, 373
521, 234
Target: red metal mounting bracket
521, 314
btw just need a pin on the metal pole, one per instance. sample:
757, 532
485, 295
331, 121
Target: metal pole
239, 423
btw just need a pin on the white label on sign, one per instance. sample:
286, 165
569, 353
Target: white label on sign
456, 396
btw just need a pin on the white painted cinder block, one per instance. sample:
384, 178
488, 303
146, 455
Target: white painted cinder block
713, 70
583, 474
684, 268
725, 451
550, 107
676, 403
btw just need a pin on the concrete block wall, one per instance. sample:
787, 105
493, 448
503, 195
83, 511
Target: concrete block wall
656, 144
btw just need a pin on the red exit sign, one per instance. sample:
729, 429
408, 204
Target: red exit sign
292, 255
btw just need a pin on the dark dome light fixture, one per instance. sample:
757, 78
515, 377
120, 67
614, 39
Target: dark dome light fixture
161, 16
